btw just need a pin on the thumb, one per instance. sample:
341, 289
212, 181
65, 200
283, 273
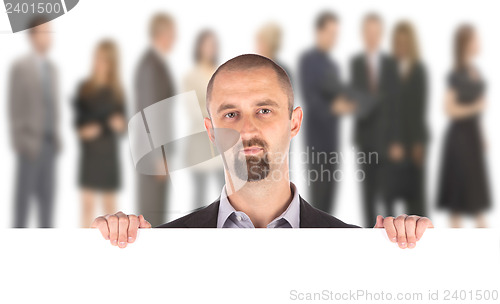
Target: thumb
380, 222
143, 223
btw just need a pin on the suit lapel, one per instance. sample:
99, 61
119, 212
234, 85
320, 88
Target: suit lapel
205, 218
309, 216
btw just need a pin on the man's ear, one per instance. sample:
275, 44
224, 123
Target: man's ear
296, 121
210, 129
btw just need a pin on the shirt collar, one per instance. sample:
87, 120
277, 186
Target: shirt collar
291, 214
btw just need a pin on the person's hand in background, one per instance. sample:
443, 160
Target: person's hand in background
418, 154
342, 106
90, 131
406, 230
119, 228
396, 152
117, 123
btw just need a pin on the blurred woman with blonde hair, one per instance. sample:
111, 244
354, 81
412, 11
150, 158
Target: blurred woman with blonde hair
100, 119
268, 43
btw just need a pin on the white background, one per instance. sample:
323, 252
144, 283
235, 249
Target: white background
242, 266
236, 22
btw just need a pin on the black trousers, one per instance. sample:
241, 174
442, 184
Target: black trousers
372, 183
153, 197
35, 179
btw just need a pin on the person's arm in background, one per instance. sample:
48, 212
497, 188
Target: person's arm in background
88, 128
314, 88
117, 121
17, 112
455, 110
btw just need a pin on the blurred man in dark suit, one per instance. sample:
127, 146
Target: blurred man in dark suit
321, 89
33, 107
154, 83
376, 134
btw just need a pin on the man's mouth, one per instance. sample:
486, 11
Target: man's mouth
252, 150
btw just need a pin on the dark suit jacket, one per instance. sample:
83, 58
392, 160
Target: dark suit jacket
320, 85
413, 99
379, 125
206, 217
154, 83
27, 108
153, 80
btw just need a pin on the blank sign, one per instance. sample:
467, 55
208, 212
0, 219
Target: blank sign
249, 266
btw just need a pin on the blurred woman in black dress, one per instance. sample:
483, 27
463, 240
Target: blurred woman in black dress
405, 179
464, 185
100, 119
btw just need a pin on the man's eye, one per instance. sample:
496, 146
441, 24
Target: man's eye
264, 111
230, 115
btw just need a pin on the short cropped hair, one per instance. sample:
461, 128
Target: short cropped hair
372, 17
36, 21
325, 17
253, 61
159, 22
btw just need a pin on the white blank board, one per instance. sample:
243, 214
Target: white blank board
246, 266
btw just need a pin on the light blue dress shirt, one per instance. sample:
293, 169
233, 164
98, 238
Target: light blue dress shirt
228, 217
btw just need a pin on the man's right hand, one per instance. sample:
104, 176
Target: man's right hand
120, 228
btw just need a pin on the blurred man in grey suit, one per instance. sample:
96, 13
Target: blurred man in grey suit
154, 83
34, 127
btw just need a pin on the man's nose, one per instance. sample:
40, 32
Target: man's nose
248, 129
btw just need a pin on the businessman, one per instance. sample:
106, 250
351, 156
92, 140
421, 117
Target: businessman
252, 95
34, 122
154, 83
376, 131
322, 90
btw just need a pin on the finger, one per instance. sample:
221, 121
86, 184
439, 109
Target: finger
399, 223
143, 223
422, 224
410, 225
102, 225
132, 228
113, 228
123, 224
380, 222
390, 229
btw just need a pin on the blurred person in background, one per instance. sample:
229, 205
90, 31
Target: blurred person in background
321, 87
268, 42
34, 122
206, 55
375, 74
405, 179
463, 188
154, 83
100, 120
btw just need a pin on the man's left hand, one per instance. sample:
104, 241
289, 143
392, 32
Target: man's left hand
406, 230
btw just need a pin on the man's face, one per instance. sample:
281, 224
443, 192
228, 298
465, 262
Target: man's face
41, 38
253, 103
166, 38
372, 33
328, 34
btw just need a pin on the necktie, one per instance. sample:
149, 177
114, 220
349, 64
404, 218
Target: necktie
372, 77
